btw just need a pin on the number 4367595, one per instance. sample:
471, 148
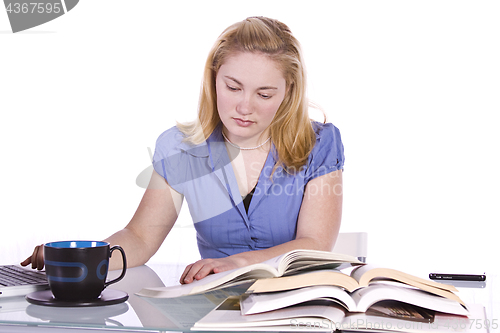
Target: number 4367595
34, 7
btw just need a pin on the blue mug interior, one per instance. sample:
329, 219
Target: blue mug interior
76, 244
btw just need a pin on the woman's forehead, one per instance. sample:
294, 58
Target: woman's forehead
257, 67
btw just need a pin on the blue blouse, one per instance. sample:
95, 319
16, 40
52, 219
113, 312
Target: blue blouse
204, 175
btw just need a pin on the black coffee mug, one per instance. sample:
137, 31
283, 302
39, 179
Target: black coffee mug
77, 270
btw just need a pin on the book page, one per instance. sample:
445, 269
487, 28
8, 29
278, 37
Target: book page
308, 279
442, 323
213, 281
271, 268
374, 293
228, 317
275, 262
257, 303
367, 273
301, 259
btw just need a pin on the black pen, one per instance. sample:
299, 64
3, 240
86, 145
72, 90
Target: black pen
457, 277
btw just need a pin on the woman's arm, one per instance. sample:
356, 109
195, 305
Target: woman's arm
317, 229
146, 231
151, 223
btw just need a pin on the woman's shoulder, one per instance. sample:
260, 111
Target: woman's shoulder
325, 132
174, 155
328, 152
168, 142
171, 134
173, 141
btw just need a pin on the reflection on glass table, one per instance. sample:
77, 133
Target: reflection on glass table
138, 313
155, 314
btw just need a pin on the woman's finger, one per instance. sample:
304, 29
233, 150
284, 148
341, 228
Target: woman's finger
39, 258
205, 270
26, 261
197, 270
183, 275
36, 258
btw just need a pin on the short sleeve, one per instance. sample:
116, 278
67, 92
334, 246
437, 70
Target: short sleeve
328, 153
179, 161
168, 159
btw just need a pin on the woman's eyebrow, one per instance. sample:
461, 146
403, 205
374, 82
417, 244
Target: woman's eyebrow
241, 84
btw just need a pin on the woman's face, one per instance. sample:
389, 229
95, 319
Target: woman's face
250, 89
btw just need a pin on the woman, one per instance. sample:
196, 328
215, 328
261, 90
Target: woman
259, 176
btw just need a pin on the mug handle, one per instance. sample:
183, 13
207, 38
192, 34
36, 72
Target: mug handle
119, 248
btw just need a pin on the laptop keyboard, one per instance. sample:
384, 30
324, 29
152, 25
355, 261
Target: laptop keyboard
11, 275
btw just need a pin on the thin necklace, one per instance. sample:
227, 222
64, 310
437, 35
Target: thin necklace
238, 147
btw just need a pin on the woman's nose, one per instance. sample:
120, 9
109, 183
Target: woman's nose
244, 105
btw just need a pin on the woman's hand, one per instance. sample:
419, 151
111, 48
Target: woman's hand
204, 267
36, 259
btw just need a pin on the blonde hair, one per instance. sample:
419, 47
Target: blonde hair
291, 130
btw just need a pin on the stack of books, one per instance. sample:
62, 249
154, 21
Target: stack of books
311, 290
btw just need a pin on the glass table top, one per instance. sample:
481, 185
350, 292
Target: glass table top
155, 314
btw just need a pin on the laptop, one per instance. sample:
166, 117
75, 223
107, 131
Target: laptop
16, 280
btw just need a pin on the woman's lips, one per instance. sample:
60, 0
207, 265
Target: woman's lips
243, 123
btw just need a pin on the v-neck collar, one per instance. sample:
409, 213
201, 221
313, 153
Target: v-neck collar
264, 182
220, 163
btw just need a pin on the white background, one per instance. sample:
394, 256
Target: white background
412, 85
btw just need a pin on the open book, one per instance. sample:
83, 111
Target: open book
366, 290
289, 263
360, 277
358, 301
330, 317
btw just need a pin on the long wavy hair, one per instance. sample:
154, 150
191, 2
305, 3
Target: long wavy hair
291, 129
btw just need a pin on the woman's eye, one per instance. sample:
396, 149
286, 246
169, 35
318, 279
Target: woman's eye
232, 88
265, 96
